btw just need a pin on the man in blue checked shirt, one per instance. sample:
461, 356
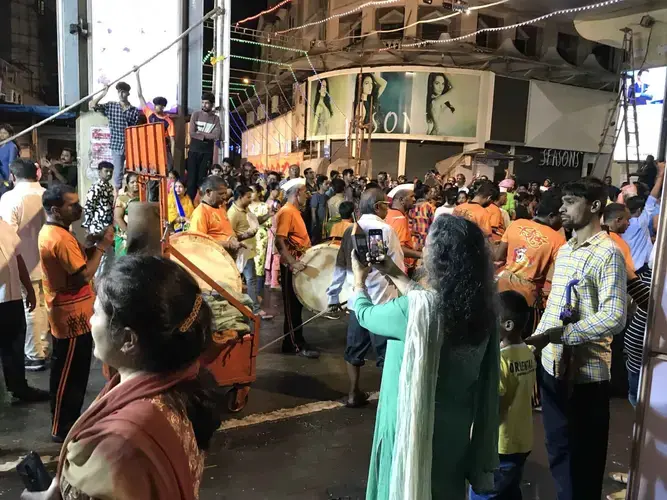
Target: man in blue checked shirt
576, 354
121, 115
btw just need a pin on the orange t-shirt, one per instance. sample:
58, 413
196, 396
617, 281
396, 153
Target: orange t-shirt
531, 252
69, 306
211, 221
497, 223
339, 228
627, 255
400, 224
290, 225
476, 213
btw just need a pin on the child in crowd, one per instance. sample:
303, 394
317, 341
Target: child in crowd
346, 210
517, 379
272, 266
172, 177
179, 207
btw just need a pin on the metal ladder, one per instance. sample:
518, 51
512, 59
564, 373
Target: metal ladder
622, 108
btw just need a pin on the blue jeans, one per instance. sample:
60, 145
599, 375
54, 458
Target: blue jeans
359, 341
118, 160
251, 282
506, 479
633, 387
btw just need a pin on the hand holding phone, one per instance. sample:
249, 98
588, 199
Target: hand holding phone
33, 473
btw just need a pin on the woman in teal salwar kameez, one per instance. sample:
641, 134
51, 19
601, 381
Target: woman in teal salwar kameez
437, 419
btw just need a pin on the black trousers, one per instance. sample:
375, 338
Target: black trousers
198, 165
70, 367
576, 427
293, 308
12, 340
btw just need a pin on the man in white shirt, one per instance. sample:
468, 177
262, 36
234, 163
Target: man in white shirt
21, 208
13, 274
373, 207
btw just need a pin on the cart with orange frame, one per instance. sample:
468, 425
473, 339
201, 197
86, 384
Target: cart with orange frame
231, 356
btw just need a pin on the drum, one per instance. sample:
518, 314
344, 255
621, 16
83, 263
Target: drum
207, 254
311, 284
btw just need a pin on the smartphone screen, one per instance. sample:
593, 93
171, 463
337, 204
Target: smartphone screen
376, 246
361, 246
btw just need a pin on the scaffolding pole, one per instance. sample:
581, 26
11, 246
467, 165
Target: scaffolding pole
223, 25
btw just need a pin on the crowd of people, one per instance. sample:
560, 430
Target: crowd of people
485, 291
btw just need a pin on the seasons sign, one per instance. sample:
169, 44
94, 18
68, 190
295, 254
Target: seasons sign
559, 158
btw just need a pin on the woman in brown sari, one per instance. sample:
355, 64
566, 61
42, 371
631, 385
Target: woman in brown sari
145, 435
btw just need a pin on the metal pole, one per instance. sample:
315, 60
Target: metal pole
78, 103
266, 130
221, 68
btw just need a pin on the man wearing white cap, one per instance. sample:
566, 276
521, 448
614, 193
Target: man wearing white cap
402, 200
292, 241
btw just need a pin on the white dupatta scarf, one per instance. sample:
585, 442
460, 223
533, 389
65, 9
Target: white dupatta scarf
413, 444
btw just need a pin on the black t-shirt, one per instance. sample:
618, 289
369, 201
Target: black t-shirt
647, 174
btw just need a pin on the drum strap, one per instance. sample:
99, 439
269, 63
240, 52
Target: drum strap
318, 315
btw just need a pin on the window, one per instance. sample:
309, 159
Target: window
350, 25
436, 27
390, 19
567, 47
528, 39
488, 39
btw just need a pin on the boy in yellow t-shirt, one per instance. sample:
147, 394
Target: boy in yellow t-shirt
517, 379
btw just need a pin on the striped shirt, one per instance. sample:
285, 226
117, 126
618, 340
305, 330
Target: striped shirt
636, 330
599, 300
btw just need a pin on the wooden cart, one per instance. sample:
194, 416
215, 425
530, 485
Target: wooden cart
232, 360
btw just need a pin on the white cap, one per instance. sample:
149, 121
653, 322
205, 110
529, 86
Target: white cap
402, 187
503, 189
299, 181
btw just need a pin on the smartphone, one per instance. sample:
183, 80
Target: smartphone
34, 475
376, 247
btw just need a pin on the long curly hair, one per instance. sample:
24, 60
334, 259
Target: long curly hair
460, 270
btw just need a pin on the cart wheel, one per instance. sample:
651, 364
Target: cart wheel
237, 398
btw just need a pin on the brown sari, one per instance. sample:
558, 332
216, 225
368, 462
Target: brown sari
133, 443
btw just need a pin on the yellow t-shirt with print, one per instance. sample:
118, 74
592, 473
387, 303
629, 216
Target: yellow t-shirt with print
517, 380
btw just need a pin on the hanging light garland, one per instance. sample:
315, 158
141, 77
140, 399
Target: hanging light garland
375, 3
267, 11
561, 12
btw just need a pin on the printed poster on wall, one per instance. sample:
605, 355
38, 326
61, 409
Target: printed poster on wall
426, 102
100, 150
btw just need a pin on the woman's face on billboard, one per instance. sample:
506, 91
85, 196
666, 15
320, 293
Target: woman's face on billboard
367, 86
438, 85
323, 88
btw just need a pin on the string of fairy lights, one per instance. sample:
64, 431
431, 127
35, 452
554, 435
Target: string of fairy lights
375, 3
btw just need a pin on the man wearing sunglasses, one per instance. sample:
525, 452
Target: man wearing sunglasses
373, 207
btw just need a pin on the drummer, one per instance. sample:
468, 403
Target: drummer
291, 242
373, 207
210, 216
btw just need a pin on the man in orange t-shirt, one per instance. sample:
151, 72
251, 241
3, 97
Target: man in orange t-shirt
292, 241
67, 273
210, 216
475, 210
402, 201
529, 249
617, 218
346, 211
496, 218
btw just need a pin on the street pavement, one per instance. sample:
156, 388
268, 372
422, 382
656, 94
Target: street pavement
294, 440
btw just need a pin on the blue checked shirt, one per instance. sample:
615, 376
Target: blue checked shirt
600, 301
119, 120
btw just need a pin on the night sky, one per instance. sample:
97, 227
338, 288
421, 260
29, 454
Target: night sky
240, 10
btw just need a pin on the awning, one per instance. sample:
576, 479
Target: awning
41, 111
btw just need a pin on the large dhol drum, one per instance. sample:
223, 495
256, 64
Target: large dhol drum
207, 254
311, 284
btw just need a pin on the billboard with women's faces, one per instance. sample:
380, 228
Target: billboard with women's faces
429, 103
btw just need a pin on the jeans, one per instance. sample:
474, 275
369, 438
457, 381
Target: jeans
251, 283
118, 160
198, 165
506, 479
633, 387
37, 327
576, 427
